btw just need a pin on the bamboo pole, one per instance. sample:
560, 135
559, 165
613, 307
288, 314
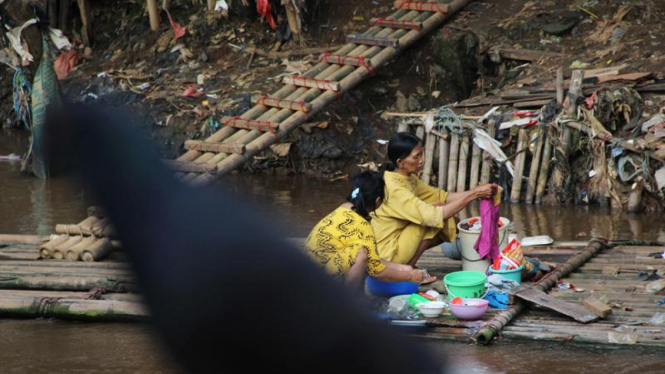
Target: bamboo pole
293, 20
46, 250
535, 164
444, 153
72, 309
453, 161
429, 157
23, 239
86, 20
487, 163
475, 166
570, 109
105, 230
153, 13
60, 249
463, 160
65, 283
211, 5
97, 251
544, 167
559, 86
74, 253
522, 143
486, 333
347, 83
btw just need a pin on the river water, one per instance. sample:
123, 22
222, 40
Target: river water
292, 205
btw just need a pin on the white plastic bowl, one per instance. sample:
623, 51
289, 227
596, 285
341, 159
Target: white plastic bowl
431, 309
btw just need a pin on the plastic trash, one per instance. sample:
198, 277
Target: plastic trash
499, 283
656, 286
621, 338
537, 240
657, 319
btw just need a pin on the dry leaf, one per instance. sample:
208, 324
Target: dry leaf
281, 150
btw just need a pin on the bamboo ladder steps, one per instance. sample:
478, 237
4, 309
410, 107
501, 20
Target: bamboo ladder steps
321, 85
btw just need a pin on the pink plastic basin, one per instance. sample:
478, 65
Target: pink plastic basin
470, 309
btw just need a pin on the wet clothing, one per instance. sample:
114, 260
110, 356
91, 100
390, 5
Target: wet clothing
487, 244
408, 216
336, 240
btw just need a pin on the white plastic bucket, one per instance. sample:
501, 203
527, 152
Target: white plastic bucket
470, 258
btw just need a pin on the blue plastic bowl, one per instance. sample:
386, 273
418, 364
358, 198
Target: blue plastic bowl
390, 289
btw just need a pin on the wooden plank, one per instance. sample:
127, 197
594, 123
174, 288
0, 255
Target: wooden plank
321, 84
191, 167
422, 6
528, 54
598, 307
372, 40
275, 102
532, 104
624, 77
248, 124
577, 312
396, 24
203, 146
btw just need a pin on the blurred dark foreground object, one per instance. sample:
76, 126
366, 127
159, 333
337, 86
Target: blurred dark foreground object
227, 294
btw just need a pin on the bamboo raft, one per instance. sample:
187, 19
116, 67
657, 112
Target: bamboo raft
33, 287
609, 274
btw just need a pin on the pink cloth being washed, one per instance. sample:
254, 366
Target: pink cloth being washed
487, 244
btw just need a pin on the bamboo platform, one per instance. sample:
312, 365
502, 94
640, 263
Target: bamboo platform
610, 274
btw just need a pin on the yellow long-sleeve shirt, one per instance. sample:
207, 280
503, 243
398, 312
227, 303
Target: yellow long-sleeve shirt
336, 240
408, 203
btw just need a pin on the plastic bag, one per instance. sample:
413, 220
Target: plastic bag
656, 286
510, 258
657, 319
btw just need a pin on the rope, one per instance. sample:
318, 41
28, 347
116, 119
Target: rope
446, 118
321, 84
45, 306
264, 126
340, 60
402, 23
292, 104
420, 6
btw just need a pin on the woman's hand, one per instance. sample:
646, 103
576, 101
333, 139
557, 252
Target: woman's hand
416, 276
484, 191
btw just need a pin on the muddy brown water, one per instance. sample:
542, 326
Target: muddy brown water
290, 205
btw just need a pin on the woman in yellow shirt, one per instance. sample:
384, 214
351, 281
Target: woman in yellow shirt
415, 216
344, 244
